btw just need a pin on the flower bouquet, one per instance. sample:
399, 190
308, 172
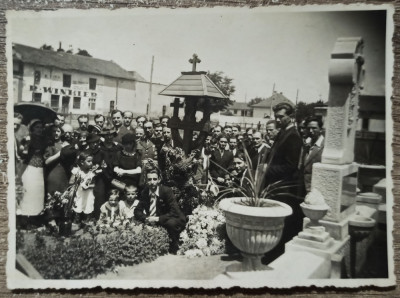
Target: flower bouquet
204, 234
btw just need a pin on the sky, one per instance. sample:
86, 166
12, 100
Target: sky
258, 48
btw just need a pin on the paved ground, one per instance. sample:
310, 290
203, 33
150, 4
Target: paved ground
172, 267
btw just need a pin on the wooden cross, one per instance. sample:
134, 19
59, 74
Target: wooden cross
176, 105
194, 61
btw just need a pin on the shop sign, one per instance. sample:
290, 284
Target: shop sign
62, 91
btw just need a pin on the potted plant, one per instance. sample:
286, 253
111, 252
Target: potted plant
254, 220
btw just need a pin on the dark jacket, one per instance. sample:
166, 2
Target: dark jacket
224, 161
284, 157
313, 156
166, 207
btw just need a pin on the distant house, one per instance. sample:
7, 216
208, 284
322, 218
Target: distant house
78, 84
264, 109
239, 109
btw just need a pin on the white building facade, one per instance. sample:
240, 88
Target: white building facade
72, 84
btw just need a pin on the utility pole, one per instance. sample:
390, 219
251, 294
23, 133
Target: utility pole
295, 110
270, 106
150, 87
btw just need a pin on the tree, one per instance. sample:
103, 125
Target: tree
224, 83
47, 47
82, 52
304, 110
255, 100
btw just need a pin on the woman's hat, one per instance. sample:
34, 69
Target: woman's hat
94, 129
91, 138
107, 130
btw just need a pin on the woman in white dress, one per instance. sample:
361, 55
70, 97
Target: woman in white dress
32, 150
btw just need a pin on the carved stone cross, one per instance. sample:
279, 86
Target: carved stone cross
346, 75
194, 61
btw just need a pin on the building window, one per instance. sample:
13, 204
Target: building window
65, 104
55, 101
66, 80
18, 68
37, 77
77, 103
92, 104
36, 97
112, 105
92, 84
235, 112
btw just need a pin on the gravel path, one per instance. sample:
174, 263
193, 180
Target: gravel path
172, 267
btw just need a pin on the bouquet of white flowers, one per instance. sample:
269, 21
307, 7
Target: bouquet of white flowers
204, 234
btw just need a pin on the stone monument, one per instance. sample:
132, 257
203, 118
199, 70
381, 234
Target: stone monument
335, 178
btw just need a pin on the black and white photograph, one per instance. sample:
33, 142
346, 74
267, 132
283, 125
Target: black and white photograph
200, 147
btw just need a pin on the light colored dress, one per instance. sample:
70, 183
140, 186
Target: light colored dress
84, 198
32, 179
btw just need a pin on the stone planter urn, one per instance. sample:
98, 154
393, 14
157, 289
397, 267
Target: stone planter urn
314, 213
254, 230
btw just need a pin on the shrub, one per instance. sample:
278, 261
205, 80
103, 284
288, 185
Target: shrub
96, 251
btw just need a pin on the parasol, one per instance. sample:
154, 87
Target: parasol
32, 110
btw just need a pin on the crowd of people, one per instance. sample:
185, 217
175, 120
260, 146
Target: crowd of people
116, 164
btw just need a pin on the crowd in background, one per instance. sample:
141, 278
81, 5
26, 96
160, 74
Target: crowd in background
115, 164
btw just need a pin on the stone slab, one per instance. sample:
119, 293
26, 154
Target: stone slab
312, 235
369, 198
314, 244
308, 266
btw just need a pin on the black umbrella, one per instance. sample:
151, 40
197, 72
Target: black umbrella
32, 110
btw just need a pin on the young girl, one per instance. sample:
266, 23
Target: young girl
127, 207
109, 211
84, 175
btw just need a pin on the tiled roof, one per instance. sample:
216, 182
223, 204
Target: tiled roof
68, 61
239, 106
196, 84
273, 100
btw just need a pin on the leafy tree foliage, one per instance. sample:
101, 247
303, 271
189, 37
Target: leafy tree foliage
304, 110
47, 47
83, 53
224, 83
255, 100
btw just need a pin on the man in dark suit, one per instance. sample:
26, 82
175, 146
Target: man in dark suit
314, 154
157, 206
283, 160
116, 117
258, 151
221, 160
282, 165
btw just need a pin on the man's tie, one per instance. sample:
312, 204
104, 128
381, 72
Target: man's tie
153, 202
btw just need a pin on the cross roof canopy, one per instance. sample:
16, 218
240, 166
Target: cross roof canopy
193, 83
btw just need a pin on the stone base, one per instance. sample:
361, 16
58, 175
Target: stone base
315, 234
333, 250
338, 230
338, 185
314, 244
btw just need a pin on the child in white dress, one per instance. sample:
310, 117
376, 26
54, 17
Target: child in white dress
84, 198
